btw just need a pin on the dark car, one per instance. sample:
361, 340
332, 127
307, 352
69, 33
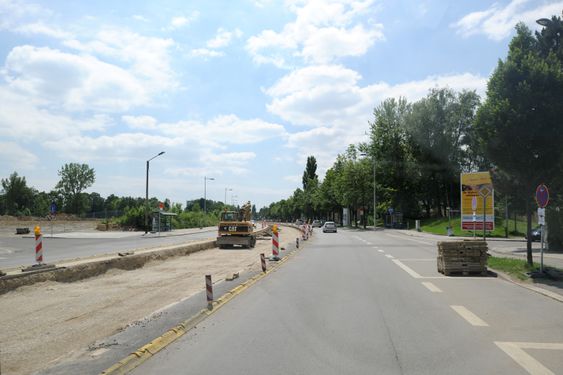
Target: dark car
536, 234
329, 226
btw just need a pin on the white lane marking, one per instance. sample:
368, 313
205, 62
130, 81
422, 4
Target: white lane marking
389, 256
381, 251
410, 239
529, 363
407, 269
473, 319
375, 247
419, 259
368, 243
433, 288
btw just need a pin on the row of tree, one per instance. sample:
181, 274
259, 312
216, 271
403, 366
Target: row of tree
416, 151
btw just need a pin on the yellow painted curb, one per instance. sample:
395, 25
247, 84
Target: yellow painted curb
139, 356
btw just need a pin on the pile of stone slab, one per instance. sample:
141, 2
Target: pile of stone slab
462, 257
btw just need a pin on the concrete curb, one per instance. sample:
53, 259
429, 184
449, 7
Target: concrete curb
548, 293
145, 352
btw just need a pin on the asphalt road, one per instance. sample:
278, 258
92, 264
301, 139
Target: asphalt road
372, 303
19, 251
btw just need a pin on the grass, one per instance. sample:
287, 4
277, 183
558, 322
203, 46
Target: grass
514, 267
439, 226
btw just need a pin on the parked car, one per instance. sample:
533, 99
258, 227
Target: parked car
536, 234
317, 224
298, 222
329, 226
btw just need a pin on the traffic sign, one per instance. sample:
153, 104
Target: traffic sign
484, 191
542, 196
53, 208
541, 216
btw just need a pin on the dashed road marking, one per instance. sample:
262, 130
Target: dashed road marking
410, 239
473, 319
529, 363
381, 251
407, 269
418, 259
368, 243
389, 256
433, 288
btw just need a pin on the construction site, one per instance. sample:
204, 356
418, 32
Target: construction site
65, 315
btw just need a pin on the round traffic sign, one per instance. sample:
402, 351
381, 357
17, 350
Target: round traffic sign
542, 195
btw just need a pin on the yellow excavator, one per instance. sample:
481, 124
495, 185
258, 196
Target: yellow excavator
235, 228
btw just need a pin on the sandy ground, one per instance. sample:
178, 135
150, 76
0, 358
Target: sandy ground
8, 225
45, 321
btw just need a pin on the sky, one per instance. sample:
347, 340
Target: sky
238, 91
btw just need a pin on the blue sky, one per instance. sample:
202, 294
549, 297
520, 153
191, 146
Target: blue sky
241, 91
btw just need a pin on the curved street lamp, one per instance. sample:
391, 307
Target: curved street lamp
205, 179
147, 193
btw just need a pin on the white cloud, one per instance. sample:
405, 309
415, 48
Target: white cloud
139, 17
40, 28
330, 94
497, 22
74, 82
205, 52
223, 130
178, 22
223, 38
14, 157
146, 58
292, 178
322, 32
123, 146
22, 119
140, 122
12, 12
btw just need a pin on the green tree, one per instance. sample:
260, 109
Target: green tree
18, 197
310, 174
520, 122
75, 178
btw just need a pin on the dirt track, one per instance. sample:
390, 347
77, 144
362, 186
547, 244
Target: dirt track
8, 225
45, 321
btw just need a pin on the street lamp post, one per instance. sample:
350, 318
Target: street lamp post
226, 189
374, 192
205, 179
147, 193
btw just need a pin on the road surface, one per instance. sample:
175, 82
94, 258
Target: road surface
18, 251
372, 303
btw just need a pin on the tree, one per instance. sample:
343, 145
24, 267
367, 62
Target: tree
75, 178
310, 173
520, 122
18, 197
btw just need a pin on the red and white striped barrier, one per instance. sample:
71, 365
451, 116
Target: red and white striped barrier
263, 261
275, 243
39, 248
209, 289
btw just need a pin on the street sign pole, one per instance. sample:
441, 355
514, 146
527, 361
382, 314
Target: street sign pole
484, 218
542, 199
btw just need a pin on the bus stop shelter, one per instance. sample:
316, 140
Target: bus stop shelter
162, 221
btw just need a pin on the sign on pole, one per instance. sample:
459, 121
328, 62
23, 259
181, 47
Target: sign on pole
542, 196
541, 216
476, 191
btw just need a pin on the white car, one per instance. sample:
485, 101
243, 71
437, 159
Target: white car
329, 226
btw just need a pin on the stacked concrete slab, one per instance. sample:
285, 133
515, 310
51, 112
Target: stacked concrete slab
462, 257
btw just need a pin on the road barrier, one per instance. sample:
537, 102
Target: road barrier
38, 245
209, 288
297, 242
275, 243
263, 261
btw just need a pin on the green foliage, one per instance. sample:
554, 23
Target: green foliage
75, 178
18, 197
514, 267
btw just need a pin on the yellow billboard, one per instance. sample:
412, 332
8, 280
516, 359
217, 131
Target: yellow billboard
477, 195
